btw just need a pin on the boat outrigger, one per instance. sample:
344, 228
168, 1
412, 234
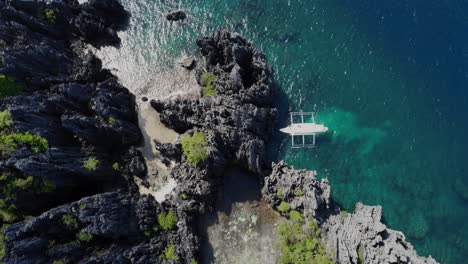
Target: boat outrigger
303, 129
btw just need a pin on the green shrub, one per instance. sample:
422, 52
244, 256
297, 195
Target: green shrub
184, 196
50, 15
296, 217
361, 259
207, 80
91, 164
169, 253
4, 176
2, 43
344, 214
147, 233
46, 187
116, 166
111, 121
8, 86
5, 119
280, 193
70, 221
8, 213
193, 261
167, 221
299, 192
30, 184
284, 207
194, 147
85, 237
209, 90
82, 206
9, 143
58, 262
3, 239
155, 228
51, 243
22, 184
302, 244
8, 216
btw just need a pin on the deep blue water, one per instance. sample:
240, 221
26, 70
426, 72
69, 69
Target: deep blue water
389, 78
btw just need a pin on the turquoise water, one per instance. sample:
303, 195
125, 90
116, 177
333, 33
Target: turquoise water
389, 78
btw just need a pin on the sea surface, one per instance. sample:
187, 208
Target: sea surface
389, 78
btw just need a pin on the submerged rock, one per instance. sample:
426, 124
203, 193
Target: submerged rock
176, 15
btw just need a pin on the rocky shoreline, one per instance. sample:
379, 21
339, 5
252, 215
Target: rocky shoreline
95, 214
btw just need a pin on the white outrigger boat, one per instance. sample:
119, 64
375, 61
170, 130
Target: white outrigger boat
303, 129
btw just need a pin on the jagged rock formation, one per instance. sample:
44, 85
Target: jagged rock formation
239, 119
68, 99
354, 237
285, 184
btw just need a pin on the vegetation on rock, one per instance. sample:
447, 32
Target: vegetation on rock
167, 221
299, 192
3, 239
296, 217
10, 187
9, 143
284, 207
361, 259
301, 244
70, 221
51, 243
116, 166
280, 193
85, 237
207, 80
193, 261
169, 253
50, 16
5, 119
91, 164
194, 147
8, 86
111, 121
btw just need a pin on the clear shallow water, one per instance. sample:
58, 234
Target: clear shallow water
388, 77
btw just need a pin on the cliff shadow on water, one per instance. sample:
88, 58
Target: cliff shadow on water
242, 227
